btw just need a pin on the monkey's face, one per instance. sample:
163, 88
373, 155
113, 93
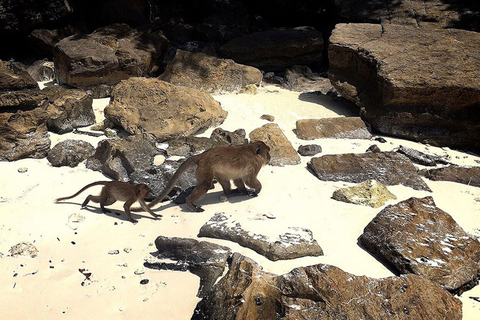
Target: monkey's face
263, 151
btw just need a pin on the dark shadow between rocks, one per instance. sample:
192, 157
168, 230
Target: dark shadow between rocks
380, 259
339, 105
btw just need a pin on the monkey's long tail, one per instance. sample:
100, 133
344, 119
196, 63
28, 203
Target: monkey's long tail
83, 189
187, 164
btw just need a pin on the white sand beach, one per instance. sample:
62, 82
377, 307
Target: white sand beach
113, 250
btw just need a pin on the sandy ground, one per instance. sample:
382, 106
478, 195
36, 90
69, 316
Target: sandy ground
50, 286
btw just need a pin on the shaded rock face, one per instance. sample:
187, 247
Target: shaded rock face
465, 175
294, 243
68, 109
407, 91
322, 292
337, 128
42, 70
204, 259
70, 153
388, 168
368, 193
281, 150
162, 111
98, 61
417, 237
210, 74
14, 76
302, 79
276, 49
118, 158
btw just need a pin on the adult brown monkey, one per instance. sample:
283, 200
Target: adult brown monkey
237, 163
117, 190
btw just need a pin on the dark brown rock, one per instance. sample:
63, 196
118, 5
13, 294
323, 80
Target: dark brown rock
210, 74
98, 61
70, 153
415, 236
404, 89
465, 175
309, 150
294, 243
337, 128
302, 79
14, 76
226, 137
322, 292
388, 168
42, 70
162, 111
276, 49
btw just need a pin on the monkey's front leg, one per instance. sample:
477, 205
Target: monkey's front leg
146, 208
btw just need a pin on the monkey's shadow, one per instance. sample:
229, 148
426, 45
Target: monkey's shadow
209, 199
112, 213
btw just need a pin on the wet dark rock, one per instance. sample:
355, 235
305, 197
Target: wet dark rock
309, 150
70, 153
388, 168
337, 128
415, 236
466, 175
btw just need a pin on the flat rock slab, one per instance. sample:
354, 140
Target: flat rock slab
388, 168
336, 128
293, 243
466, 175
415, 236
322, 292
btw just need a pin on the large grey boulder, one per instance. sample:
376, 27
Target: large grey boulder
424, 89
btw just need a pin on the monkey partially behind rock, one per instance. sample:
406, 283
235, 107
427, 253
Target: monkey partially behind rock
237, 163
117, 190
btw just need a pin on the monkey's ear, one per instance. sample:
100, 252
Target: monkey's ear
259, 151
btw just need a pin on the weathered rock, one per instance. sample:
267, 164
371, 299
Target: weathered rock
226, 137
420, 157
23, 134
68, 109
188, 146
24, 249
404, 89
322, 292
276, 49
293, 243
42, 70
204, 259
373, 148
70, 153
309, 150
368, 193
388, 168
210, 74
14, 76
98, 61
415, 236
281, 150
337, 128
118, 158
161, 110
302, 79
465, 175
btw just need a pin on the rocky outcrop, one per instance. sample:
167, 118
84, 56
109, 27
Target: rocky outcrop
322, 292
210, 74
204, 259
415, 236
293, 243
368, 193
336, 128
98, 61
466, 175
70, 153
162, 111
281, 150
276, 49
388, 168
404, 89
68, 109
14, 76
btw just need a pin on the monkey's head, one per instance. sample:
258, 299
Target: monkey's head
144, 190
262, 150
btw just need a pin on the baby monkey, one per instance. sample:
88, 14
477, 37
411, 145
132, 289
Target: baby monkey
117, 190
237, 163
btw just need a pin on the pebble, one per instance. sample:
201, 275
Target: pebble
22, 170
144, 281
127, 250
113, 252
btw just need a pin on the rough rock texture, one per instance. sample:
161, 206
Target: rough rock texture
294, 243
161, 110
210, 74
42, 70
98, 61
68, 109
188, 146
281, 150
415, 236
118, 158
368, 193
70, 153
276, 49
389, 168
226, 137
424, 159
204, 259
465, 175
302, 79
14, 76
309, 150
322, 292
421, 89
337, 128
